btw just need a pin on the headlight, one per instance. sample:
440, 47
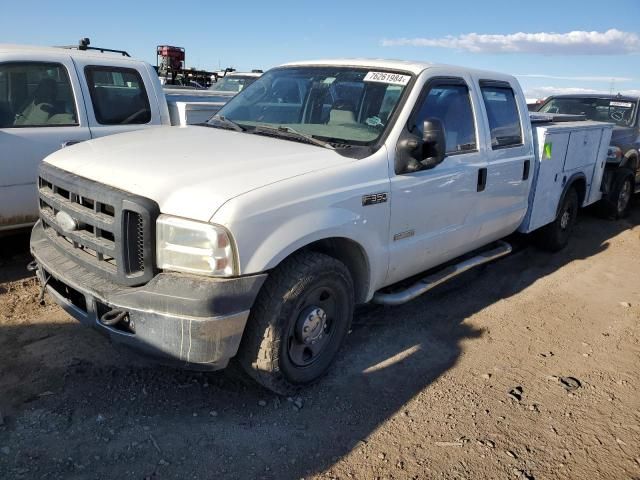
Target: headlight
614, 154
194, 247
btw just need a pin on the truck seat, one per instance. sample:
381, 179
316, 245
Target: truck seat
41, 107
341, 112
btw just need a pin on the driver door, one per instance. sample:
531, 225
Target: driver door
431, 210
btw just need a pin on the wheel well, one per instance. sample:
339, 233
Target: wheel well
631, 162
352, 255
580, 186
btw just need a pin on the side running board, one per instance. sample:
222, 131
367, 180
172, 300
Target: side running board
447, 273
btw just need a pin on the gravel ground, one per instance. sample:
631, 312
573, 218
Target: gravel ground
526, 368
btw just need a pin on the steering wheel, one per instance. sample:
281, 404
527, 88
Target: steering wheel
134, 116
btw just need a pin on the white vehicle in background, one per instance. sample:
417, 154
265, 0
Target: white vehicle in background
234, 82
197, 105
51, 98
322, 185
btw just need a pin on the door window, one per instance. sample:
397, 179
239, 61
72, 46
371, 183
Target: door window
35, 94
451, 105
118, 95
502, 113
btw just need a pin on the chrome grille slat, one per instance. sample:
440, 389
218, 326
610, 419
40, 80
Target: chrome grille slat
82, 213
88, 240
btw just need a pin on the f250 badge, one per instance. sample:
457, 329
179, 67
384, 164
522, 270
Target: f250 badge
374, 198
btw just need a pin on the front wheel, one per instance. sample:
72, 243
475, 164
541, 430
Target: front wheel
555, 236
618, 202
298, 322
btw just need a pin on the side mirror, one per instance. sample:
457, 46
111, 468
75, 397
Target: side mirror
433, 143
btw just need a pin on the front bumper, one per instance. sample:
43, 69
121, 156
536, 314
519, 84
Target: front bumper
196, 321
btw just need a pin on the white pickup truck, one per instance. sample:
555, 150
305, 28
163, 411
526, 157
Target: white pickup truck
322, 185
51, 98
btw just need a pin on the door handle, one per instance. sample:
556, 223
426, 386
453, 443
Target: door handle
525, 170
68, 143
482, 179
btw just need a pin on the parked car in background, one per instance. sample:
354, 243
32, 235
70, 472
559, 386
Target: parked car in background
196, 105
533, 104
622, 173
234, 82
51, 98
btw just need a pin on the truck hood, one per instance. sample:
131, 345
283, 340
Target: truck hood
622, 136
191, 172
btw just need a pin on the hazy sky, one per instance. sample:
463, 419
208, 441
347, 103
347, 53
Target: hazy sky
550, 45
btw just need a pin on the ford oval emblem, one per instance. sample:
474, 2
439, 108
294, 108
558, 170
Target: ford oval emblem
66, 222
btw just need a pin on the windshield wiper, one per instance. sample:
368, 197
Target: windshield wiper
288, 132
225, 122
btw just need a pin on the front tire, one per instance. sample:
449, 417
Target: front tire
298, 322
618, 202
555, 236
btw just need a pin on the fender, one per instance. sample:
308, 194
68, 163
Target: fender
567, 186
302, 230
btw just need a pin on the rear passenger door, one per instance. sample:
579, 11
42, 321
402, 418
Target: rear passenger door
117, 96
41, 111
509, 159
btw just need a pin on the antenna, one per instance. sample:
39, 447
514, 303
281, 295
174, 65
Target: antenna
612, 86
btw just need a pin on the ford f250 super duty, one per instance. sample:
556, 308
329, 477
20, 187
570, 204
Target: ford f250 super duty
322, 185
51, 98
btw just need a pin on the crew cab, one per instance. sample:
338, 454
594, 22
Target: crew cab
622, 174
51, 98
320, 186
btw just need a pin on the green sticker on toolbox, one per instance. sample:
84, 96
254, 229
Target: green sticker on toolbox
546, 155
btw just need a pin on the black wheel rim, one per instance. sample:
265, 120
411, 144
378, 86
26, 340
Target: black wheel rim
566, 219
624, 196
313, 326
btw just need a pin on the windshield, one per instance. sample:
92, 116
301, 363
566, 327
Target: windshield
344, 105
232, 84
620, 112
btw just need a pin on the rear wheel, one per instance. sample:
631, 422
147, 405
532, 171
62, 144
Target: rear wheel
298, 322
618, 202
555, 236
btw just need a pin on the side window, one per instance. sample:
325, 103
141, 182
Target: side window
502, 112
118, 95
34, 94
451, 105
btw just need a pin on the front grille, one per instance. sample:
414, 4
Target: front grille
113, 231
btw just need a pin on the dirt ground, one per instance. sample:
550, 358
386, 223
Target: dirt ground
466, 382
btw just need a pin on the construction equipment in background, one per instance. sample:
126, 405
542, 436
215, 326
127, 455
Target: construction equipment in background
170, 65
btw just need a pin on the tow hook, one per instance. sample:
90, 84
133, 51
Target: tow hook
33, 267
113, 317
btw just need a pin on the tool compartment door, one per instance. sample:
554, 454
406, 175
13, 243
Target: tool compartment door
583, 149
548, 181
595, 191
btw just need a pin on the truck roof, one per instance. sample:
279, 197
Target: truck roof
72, 52
243, 74
608, 96
406, 65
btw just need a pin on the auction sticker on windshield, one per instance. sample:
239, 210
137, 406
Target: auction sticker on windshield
621, 104
385, 77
